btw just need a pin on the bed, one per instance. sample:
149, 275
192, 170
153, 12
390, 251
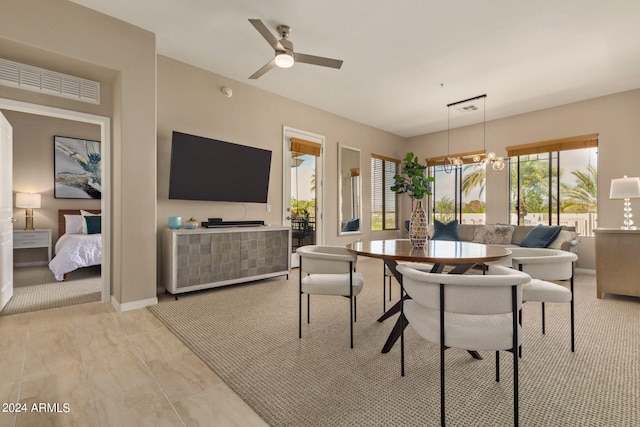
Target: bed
77, 246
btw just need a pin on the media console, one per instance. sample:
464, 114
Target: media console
211, 257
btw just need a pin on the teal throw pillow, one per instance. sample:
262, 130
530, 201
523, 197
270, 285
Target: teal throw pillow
448, 231
94, 224
541, 236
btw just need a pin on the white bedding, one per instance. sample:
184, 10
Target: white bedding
74, 251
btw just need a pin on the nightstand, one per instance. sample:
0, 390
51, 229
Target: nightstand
27, 239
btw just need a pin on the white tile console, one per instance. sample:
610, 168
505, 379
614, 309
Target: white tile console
211, 257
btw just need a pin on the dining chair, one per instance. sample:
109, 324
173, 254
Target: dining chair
328, 270
467, 311
544, 266
387, 277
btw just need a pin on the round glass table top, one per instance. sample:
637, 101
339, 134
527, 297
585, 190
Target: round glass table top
436, 251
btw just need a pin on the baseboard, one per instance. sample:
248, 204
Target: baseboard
133, 305
31, 264
585, 271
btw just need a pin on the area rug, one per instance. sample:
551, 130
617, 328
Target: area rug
35, 288
248, 335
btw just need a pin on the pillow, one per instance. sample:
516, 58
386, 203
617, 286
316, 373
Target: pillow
93, 224
448, 231
541, 236
564, 236
73, 224
84, 222
493, 234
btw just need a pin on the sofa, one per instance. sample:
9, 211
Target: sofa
497, 234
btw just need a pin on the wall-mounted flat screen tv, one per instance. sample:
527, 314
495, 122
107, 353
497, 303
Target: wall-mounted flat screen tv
208, 169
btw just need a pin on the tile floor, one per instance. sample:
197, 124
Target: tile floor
106, 368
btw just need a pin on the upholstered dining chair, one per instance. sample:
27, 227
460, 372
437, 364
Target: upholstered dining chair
544, 265
328, 270
387, 277
467, 311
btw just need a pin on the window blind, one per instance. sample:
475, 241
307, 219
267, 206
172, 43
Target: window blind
563, 144
303, 146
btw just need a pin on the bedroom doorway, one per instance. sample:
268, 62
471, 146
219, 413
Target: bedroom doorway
105, 132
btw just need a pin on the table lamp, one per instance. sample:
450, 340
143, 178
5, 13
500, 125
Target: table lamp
28, 201
626, 188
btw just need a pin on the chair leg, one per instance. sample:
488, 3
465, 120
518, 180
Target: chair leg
351, 303
498, 366
543, 322
300, 302
573, 334
355, 309
308, 308
442, 349
520, 320
384, 290
515, 355
389, 288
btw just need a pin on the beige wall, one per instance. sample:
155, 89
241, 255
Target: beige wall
33, 170
613, 117
65, 37
52, 32
190, 101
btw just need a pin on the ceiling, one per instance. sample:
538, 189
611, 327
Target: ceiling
404, 61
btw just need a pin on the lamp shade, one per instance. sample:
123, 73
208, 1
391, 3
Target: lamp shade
625, 188
27, 200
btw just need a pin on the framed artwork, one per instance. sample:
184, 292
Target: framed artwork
76, 168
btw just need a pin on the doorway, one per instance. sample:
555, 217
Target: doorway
302, 181
105, 137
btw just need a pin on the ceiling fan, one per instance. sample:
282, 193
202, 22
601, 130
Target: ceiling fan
285, 57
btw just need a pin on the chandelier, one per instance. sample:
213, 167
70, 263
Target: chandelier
481, 159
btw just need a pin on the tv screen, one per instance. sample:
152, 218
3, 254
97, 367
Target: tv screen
208, 169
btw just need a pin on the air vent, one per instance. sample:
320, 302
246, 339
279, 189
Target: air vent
37, 79
467, 109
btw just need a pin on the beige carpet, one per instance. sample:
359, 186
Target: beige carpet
35, 288
248, 335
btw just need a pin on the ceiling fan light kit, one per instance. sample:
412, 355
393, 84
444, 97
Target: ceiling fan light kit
284, 56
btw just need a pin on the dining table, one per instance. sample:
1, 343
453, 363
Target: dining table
459, 256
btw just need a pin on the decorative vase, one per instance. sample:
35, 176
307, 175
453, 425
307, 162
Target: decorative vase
191, 224
175, 222
418, 227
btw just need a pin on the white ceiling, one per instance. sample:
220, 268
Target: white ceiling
405, 60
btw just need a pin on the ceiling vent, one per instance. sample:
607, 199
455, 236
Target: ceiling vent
467, 108
40, 80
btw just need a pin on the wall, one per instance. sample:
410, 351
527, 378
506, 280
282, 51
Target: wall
33, 171
190, 101
613, 117
51, 33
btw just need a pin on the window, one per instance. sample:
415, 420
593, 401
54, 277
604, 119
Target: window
459, 194
384, 202
555, 183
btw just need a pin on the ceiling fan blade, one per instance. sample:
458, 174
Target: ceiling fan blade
270, 38
317, 60
266, 67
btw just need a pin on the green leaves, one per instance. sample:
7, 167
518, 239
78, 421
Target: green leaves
412, 179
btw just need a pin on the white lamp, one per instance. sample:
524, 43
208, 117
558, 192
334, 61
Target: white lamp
626, 188
28, 201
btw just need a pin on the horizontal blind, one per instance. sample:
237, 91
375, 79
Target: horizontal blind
376, 185
552, 145
390, 197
